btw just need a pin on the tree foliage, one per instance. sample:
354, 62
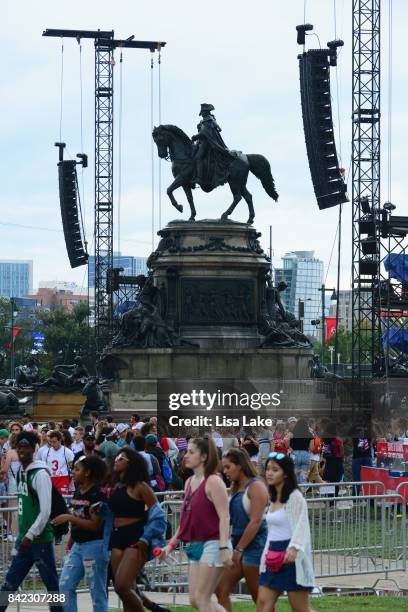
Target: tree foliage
66, 336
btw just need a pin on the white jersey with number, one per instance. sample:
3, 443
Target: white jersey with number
58, 460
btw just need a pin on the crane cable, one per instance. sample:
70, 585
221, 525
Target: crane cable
160, 120
390, 34
61, 88
336, 338
152, 144
81, 122
120, 145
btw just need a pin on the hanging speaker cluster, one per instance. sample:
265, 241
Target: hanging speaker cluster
70, 208
328, 182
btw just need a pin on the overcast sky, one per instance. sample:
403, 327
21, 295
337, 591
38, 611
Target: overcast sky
240, 56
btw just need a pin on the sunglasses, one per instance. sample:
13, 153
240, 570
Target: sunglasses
277, 456
121, 458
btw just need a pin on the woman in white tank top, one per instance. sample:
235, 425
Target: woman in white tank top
288, 542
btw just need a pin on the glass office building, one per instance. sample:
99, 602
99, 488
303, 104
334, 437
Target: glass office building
303, 274
132, 266
16, 277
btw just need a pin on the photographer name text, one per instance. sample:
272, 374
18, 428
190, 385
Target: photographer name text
220, 421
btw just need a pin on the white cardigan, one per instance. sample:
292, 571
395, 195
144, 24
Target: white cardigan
297, 514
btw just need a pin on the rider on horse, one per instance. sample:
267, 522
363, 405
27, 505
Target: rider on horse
212, 156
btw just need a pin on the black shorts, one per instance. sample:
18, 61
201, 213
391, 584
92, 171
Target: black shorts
124, 537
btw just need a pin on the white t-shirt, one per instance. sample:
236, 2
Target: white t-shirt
77, 446
57, 460
42, 451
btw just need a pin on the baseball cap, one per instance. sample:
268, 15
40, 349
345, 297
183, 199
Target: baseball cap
292, 420
151, 439
139, 425
4, 433
122, 427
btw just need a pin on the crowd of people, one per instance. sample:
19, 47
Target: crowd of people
256, 522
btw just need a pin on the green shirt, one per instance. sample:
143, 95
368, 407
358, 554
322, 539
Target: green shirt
29, 508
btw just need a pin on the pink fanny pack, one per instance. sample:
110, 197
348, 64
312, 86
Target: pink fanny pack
274, 560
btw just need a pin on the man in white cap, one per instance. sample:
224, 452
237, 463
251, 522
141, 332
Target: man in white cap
122, 430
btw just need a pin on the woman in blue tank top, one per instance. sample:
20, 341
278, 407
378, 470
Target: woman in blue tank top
248, 503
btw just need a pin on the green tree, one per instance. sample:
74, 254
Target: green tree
66, 336
23, 342
344, 345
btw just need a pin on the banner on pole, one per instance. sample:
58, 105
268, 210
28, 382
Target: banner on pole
330, 327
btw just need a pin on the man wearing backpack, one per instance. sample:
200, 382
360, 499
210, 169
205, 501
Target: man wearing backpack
35, 541
316, 450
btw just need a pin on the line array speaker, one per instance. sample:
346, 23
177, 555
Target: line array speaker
328, 182
68, 192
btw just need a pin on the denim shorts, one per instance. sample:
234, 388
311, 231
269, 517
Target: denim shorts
211, 554
253, 552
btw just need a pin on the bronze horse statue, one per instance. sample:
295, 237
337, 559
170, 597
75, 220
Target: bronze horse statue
174, 145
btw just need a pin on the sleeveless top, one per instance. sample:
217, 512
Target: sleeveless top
123, 506
196, 507
13, 469
240, 507
279, 443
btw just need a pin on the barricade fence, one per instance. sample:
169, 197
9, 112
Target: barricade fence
351, 535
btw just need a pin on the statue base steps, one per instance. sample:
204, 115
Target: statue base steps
51, 406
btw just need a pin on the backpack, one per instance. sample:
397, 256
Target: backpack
317, 445
167, 471
58, 506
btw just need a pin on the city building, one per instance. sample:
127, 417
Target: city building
49, 298
303, 274
68, 286
346, 308
132, 266
16, 277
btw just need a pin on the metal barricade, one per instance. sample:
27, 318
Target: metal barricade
366, 487
351, 535
358, 535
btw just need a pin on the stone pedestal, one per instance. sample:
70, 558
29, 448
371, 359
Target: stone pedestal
211, 275
136, 390
210, 285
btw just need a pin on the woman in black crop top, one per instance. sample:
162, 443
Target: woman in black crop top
87, 535
129, 502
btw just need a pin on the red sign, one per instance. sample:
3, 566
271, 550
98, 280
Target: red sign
393, 450
330, 327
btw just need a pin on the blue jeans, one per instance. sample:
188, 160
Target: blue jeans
301, 459
356, 466
42, 555
89, 559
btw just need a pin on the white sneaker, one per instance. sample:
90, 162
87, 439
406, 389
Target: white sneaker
11, 538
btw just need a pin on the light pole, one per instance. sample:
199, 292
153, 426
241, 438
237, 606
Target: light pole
301, 311
12, 339
323, 289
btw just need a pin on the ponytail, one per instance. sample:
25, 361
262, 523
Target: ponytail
207, 447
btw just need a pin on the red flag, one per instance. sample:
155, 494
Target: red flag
16, 331
330, 328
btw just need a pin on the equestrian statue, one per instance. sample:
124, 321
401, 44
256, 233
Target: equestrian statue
206, 161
